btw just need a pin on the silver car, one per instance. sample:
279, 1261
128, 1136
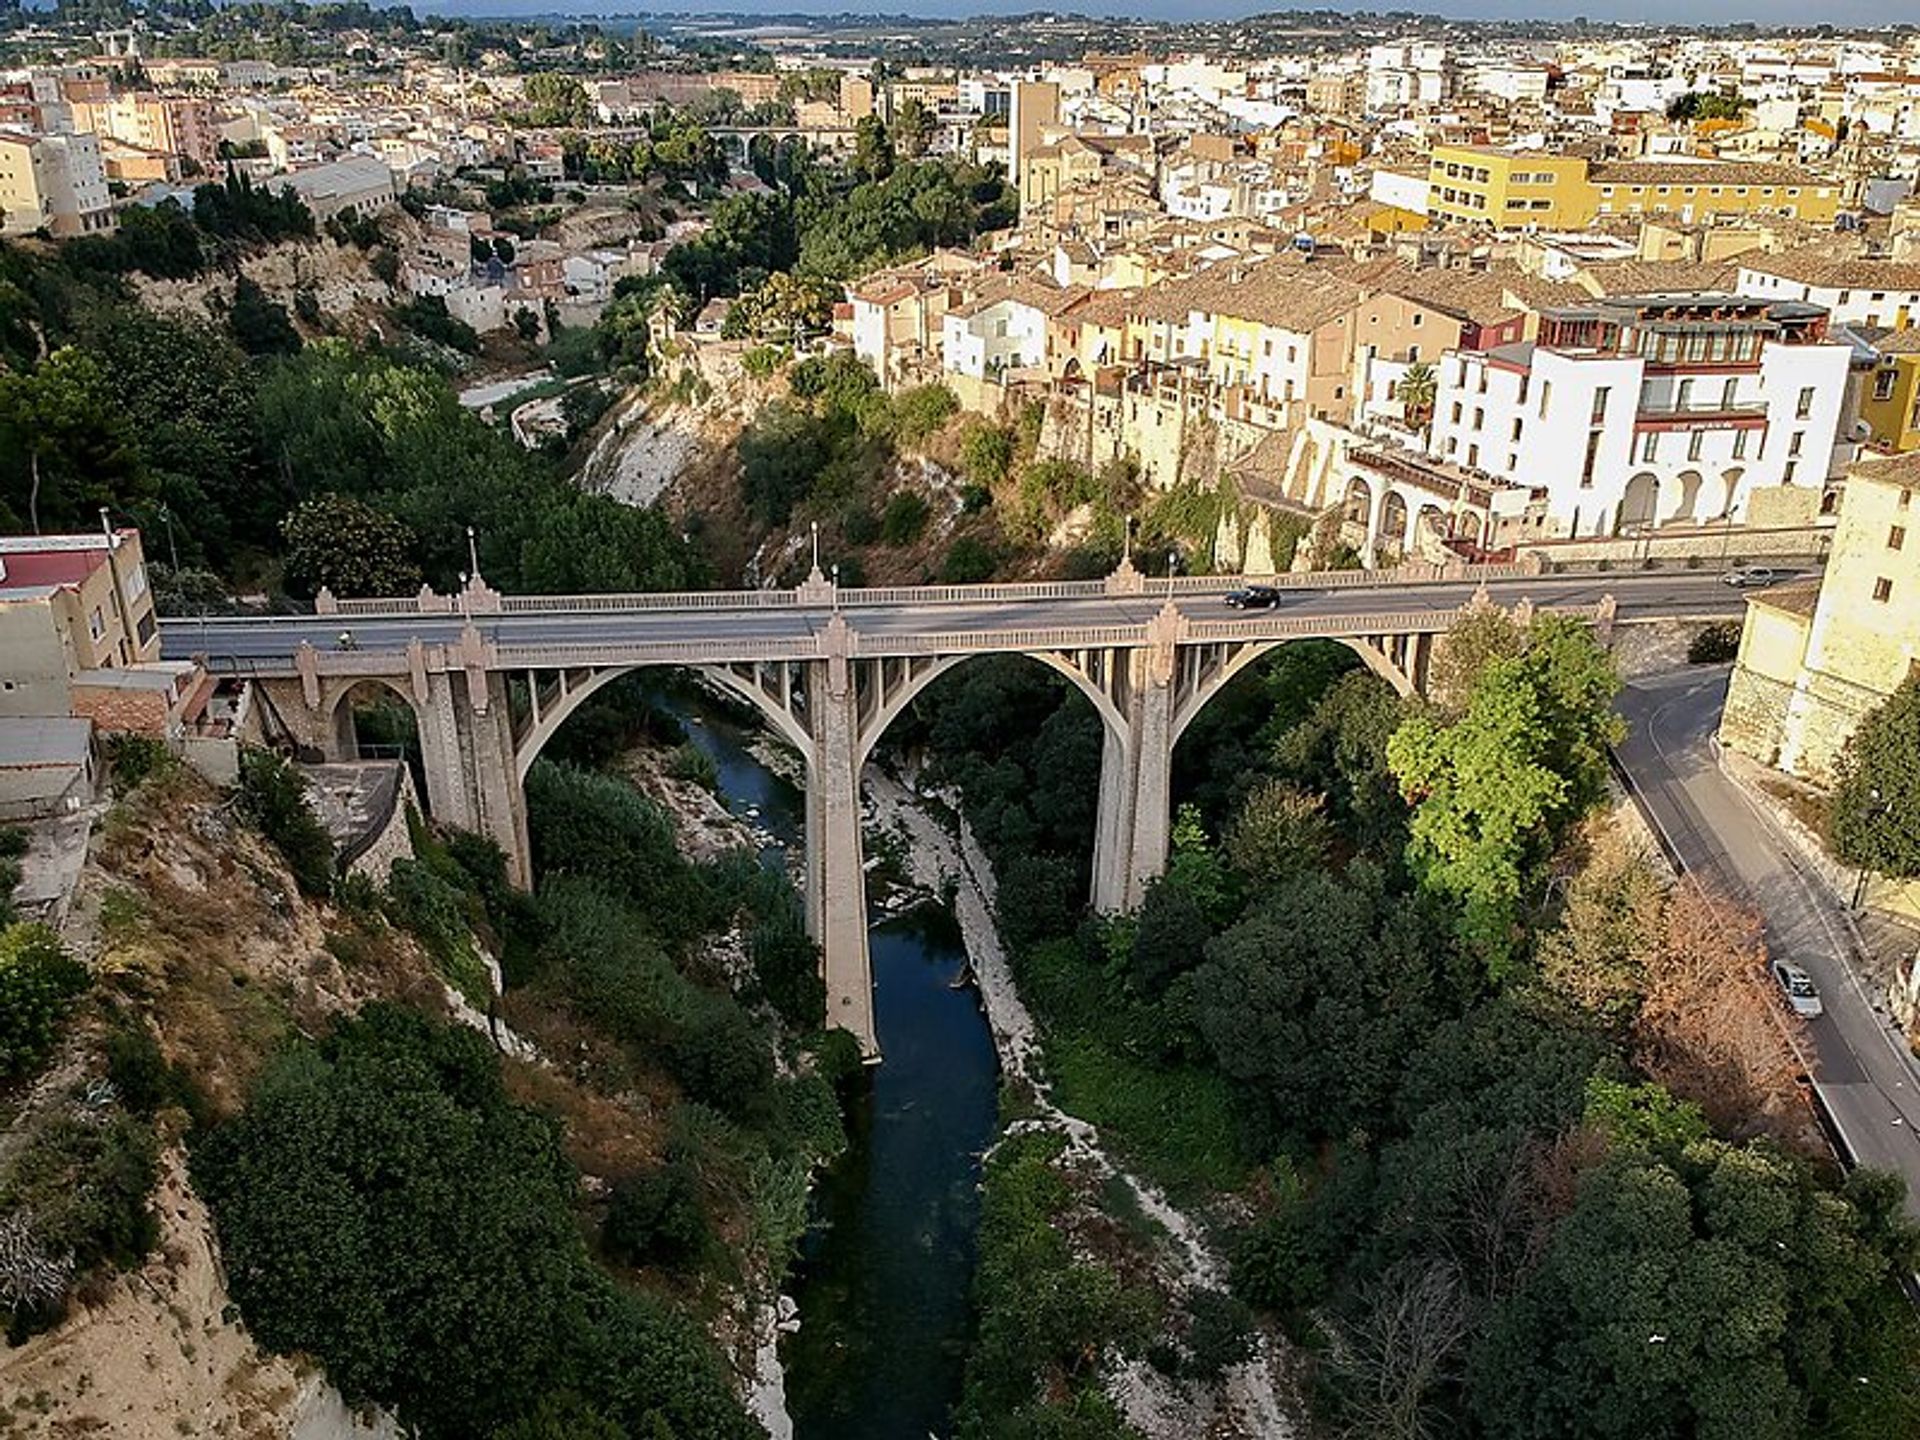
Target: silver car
1798, 988
1748, 577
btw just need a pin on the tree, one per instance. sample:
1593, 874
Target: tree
1495, 790
1415, 390
873, 156
1280, 831
260, 325
1401, 1351
1709, 1027
1873, 817
345, 545
458, 1290
781, 455
913, 129
60, 420
1613, 920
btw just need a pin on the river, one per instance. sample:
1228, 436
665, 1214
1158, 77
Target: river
884, 1279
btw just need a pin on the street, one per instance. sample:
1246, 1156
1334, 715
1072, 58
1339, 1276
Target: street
1863, 1069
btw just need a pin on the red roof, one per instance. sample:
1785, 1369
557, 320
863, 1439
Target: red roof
28, 569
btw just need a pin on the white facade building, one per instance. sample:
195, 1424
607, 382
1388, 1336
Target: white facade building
1657, 410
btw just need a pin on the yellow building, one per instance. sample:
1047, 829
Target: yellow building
1814, 659
1514, 189
1890, 403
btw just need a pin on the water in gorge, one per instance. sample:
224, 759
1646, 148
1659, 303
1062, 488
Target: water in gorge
884, 1279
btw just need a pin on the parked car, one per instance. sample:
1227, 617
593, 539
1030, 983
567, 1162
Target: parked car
1253, 597
1803, 997
1748, 577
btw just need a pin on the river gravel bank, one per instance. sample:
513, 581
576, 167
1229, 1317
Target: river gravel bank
1247, 1402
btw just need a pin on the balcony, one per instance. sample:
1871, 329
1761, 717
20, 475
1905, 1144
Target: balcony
1750, 415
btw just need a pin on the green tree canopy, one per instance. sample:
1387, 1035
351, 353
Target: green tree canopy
348, 547
1874, 812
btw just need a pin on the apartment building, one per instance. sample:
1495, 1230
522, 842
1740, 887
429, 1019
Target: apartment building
1854, 290
1522, 189
1638, 411
53, 182
1816, 658
164, 124
1890, 399
70, 604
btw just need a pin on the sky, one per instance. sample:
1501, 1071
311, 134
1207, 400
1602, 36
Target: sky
1766, 12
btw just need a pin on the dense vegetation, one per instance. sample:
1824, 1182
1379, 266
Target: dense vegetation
1516, 1123
167, 422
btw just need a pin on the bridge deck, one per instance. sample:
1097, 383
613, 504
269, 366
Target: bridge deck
537, 631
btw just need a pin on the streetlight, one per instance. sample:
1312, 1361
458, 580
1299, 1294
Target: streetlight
814, 527
1173, 559
836, 587
473, 555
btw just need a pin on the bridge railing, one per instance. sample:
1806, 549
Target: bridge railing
866, 597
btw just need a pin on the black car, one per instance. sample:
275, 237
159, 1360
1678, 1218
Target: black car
1253, 597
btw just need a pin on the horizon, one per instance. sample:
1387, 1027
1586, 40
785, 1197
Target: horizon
1779, 14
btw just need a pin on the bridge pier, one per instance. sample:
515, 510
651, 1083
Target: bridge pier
836, 872
1136, 776
467, 751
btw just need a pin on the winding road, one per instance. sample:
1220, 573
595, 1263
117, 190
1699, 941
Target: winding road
1864, 1072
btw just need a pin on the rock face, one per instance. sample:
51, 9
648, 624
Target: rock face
153, 1356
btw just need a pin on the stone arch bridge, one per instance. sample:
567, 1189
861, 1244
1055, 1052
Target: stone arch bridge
492, 678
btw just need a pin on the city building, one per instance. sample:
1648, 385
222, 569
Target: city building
1815, 658
1639, 411
1890, 400
1521, 189
354, 184
166, 124
56, 183
70, 604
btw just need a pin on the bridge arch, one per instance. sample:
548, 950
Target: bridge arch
546, 720
889, 701
1201, 692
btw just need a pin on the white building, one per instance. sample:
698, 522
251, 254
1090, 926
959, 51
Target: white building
1854, 292
53, 182
361, 184
1652, 410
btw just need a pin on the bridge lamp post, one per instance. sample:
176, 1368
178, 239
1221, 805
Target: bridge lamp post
836, 589
813, 527
1173, 559
1876, 807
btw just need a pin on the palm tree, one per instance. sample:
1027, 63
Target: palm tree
1416, 390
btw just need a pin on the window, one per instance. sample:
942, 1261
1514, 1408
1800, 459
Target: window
96, 624
1525, 379
1600, 404
1727, 392
1786, 476
1413, 354
1684, 396
1517, 426
1415, 322
1897, 537
1453, 444
1906, 498
1650, 445
136, 582
1694, 442
1473, 456
1456, 412
1593, 455
1793, 444
1546, 394
145, 627
1883, 383
1803, 407
1479, 417
1883, 589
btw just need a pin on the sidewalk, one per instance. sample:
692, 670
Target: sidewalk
1885, 943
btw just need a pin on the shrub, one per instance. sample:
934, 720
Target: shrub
85, 1178
920, 411
133, 759
655, 1218
437, 912
39, 982
273, 793
691, 764
969, 562
1714, 643
904, 518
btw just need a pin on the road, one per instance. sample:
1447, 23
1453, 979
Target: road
895, 625
1863, 1069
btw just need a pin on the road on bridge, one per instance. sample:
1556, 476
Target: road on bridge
1864, 1071
899, 622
